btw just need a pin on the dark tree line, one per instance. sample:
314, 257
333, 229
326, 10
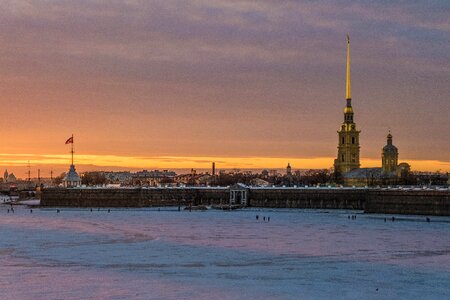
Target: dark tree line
93, 178
309, 177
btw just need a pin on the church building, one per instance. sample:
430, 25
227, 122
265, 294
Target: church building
389, 173
347, 164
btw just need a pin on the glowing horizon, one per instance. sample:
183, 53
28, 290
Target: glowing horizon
18, 163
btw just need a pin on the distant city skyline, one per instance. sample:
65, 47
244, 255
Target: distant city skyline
59, 164
164, 84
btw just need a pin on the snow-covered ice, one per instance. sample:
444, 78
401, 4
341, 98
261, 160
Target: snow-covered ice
166, 254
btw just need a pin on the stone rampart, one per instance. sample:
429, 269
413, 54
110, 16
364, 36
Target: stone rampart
308, 198
132, 197
417, 202
425, 202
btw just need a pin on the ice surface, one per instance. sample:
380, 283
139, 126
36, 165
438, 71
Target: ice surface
30, 202
166, 254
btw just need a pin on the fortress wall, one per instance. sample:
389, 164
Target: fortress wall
91, 197
308, 198
281, 198
424, 202
420, 202
104, 197
182, 196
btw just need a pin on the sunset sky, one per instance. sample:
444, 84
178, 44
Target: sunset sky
251, 84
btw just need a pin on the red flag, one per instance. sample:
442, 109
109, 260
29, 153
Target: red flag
70, 140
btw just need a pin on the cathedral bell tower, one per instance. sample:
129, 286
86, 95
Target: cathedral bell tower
348, 147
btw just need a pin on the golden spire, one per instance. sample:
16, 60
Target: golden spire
348, 91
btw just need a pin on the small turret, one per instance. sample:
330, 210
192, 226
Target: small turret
389, 156
72, 179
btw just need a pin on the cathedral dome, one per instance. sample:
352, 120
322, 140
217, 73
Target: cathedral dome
389, 148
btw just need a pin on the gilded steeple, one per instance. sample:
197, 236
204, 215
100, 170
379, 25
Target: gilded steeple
348, 89
348, 110
348, 147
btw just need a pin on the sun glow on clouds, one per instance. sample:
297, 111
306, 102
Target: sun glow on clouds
114, 162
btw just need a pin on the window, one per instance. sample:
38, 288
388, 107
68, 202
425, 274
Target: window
343, 140
353, 139
353, 158
343, 157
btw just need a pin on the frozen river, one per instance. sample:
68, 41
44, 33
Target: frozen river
151, 254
